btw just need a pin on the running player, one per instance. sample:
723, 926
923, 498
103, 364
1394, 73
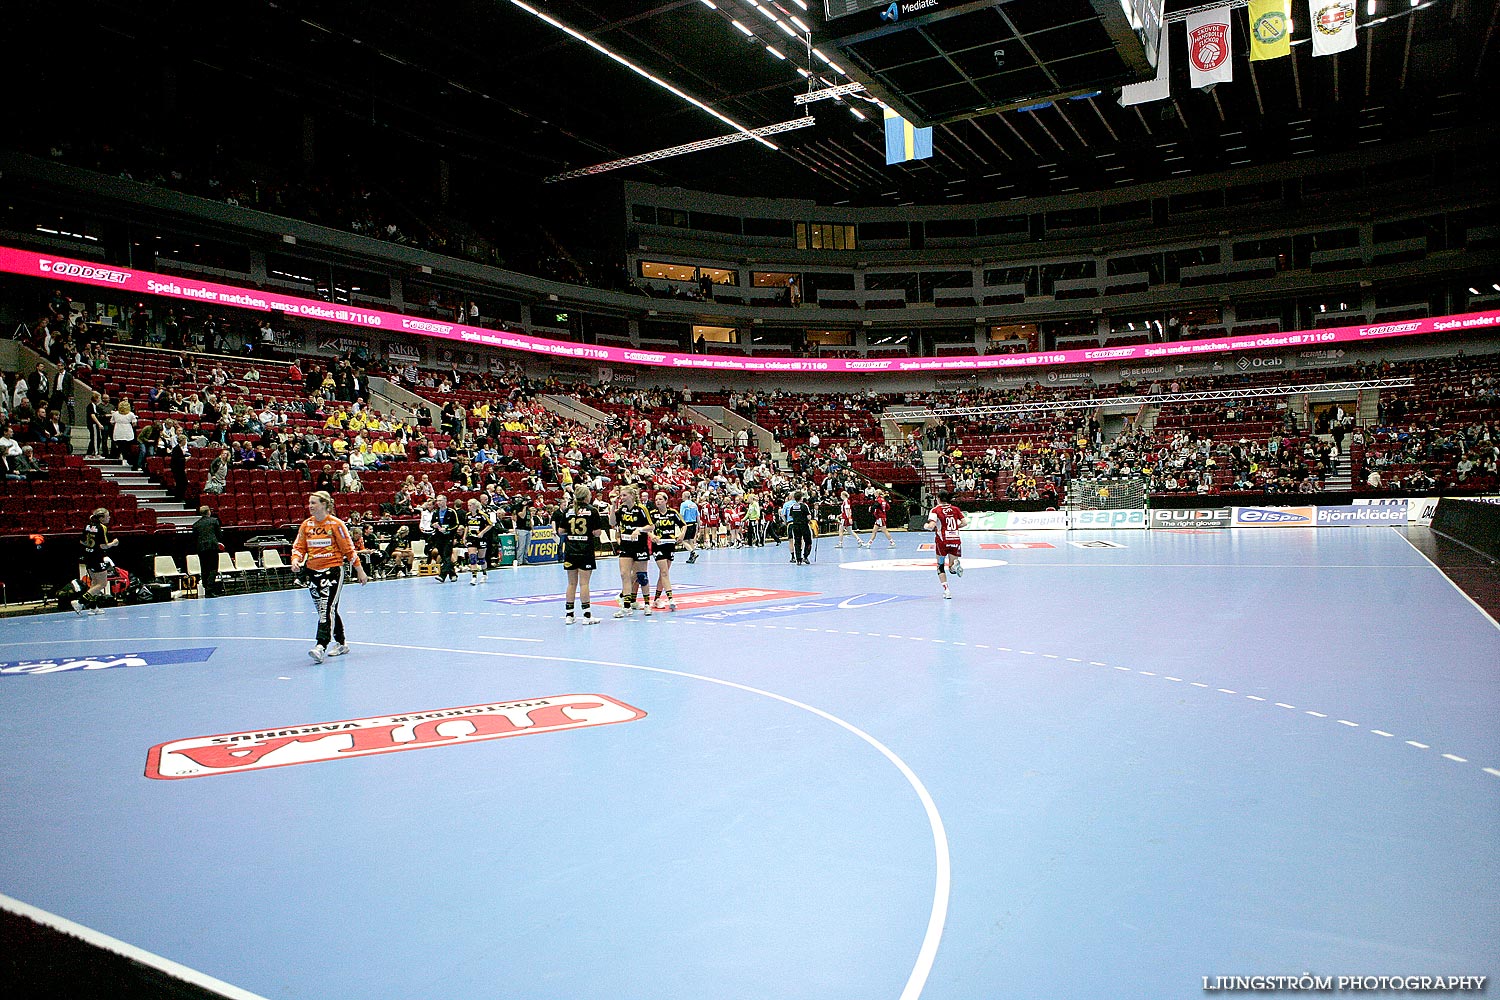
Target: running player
322, 549
632, 523
688, 510
846, 519
578, 525
667, 528
96, 545
882, 507
944, 521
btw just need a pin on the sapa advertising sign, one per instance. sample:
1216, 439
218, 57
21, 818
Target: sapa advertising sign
1113, 519
1192, 517
1275, 517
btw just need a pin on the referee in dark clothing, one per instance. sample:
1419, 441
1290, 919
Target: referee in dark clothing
799, 517
206, 541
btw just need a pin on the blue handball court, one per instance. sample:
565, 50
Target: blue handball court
1113, 764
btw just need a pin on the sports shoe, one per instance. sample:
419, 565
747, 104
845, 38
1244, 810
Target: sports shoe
839, 545
473, 582
646, 610
568, 618
78, 608
692, 557
893, 545
484, 577
96, 611
318, 654
590, 620
671, 605
958, 569
338, 649
947, 596
623, 613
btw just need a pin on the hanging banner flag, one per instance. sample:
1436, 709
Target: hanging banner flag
903, 141
1208, 47
1270, 29
1332, 26
1156, 89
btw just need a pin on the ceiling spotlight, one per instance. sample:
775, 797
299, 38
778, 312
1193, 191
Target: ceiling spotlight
747, 32
999, 55
773, 50
805, 29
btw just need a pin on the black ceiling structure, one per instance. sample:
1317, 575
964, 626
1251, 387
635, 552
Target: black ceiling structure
511, 99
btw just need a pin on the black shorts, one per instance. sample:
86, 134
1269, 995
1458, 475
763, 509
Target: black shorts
639, 551
579, 557
663, 551
691, 532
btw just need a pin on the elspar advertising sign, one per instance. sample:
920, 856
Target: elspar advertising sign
33, 265
1275, 517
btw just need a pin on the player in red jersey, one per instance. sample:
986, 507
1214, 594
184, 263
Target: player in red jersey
846, 519
944, 521
881, 507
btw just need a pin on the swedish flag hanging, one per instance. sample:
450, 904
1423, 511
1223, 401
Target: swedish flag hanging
904, 142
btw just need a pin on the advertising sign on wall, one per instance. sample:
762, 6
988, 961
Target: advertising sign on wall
130, 280
1275, 517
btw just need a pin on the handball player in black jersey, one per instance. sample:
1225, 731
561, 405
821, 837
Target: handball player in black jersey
96, 545
578, 524
632, 523
668, 529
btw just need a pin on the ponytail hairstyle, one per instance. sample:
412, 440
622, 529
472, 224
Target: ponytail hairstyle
582, 496
325, 498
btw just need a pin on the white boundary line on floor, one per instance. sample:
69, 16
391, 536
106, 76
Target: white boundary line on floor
926, 954
1448, 579
130, 951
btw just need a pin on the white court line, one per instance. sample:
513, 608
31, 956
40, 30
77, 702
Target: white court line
927, 953
507, 638
130, 951
1488, 617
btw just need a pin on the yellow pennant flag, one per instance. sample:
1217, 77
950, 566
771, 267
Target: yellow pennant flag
1270, 29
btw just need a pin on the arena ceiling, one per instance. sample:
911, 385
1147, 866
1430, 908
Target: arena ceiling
490, 82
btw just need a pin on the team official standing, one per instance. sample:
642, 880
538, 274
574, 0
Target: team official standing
322, 549
799, 517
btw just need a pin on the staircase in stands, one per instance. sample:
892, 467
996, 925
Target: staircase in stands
147, 491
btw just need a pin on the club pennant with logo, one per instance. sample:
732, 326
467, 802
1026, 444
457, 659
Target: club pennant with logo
1332, 23
1270, 29
1208, 36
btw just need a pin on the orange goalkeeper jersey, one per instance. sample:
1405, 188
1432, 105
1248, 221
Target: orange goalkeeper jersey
323, 546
